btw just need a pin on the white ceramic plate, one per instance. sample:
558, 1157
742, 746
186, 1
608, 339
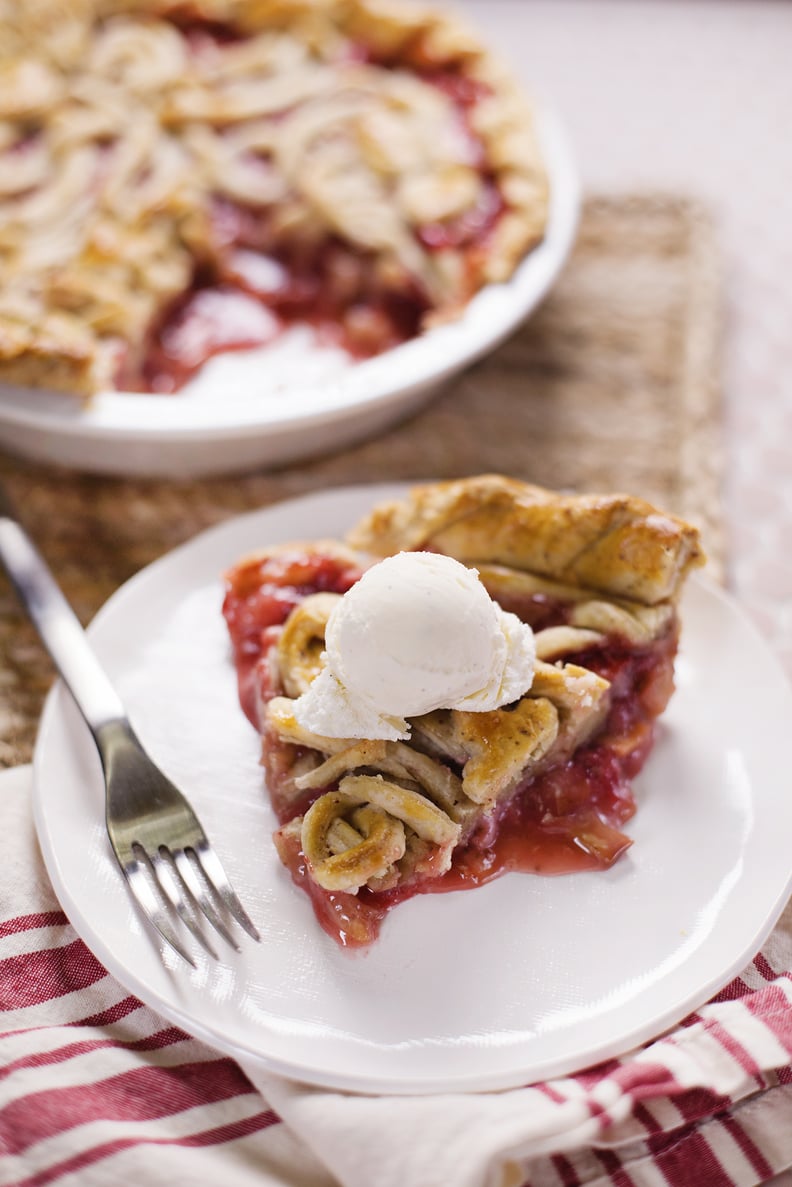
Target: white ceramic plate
524, 978
290, 400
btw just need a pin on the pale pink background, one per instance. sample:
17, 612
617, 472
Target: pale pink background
696, 96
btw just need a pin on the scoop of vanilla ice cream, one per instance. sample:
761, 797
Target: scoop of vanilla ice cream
417, 632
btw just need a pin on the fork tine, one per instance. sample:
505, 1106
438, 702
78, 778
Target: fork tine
138, 881
216, 875
201, 897
171, 883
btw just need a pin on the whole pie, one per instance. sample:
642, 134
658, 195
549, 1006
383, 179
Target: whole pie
540, 783
179, 179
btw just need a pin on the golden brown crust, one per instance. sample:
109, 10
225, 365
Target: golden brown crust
58, 354
615, 544
563, 707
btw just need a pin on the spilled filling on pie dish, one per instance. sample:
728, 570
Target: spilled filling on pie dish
539, 784
183, 179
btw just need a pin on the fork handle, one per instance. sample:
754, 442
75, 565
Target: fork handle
57, 624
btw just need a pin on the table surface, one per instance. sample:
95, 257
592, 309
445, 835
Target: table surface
694, 96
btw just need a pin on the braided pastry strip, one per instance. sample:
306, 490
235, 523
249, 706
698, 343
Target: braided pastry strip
494, 748
399, 761
565, 704
301, 642
344, 855
624, 617
415, 810
279, 716
617, 545
373, 842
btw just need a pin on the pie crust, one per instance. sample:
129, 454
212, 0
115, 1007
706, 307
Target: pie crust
542, 784
362, 164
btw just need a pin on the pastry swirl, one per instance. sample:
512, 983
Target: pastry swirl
348, 843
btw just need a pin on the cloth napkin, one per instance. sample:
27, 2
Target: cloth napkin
96, 1089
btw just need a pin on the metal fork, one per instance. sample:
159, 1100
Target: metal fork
164, 854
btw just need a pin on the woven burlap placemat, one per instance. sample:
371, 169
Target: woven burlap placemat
612, 385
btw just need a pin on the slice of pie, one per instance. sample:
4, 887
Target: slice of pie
540, 783
180, 179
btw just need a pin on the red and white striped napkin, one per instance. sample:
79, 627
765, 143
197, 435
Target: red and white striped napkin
97, 1089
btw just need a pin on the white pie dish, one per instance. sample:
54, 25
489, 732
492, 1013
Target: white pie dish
290, 400
522, 979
